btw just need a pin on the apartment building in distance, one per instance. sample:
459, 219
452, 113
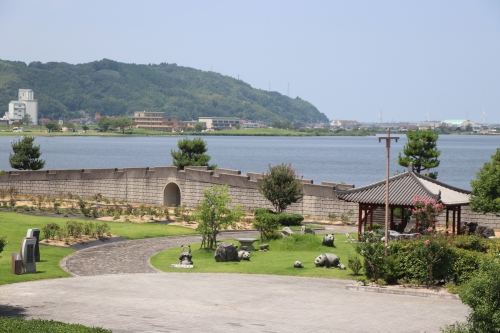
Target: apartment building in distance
219, 123
157, 121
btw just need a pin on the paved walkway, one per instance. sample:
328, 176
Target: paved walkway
114, 289
129, 256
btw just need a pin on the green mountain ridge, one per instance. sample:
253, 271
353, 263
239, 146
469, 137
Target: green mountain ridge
112, 88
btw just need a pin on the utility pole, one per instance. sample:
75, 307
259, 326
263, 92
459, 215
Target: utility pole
387, 139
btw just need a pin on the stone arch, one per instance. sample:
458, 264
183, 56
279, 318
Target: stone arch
172, 195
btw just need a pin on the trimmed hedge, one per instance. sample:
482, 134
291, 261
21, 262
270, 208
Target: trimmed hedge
285, 220
15, 325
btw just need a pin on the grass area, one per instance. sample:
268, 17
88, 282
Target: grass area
278, 260
15, 325
15, 225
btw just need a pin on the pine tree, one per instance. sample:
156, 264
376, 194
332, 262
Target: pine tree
191, 153
26, 156
421, 150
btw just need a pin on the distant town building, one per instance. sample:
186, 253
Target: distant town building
157, 121
25, 105
461, 123
219, 123
345, 124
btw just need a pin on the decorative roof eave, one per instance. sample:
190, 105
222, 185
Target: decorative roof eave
404, 188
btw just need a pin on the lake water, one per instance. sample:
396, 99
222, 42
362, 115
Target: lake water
353, 160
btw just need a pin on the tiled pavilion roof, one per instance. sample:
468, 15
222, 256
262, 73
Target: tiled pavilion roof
403, 188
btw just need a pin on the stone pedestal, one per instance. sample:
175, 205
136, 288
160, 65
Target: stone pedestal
17, 264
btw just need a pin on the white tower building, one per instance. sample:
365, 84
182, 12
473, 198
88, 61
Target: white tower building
25, 105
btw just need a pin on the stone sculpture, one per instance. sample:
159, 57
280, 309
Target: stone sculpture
342, 266
328, 240
306, 230
244, 255
286, 231
264, 247
226, 252
28, 254
327, 260
485, 232
298, 264
185, 256
35, 233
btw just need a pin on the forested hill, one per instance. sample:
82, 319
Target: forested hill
111, 88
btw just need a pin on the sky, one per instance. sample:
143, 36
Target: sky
369, 61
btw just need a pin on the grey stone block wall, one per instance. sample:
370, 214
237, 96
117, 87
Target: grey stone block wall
144, 185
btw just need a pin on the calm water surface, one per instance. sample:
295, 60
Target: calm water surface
353, 160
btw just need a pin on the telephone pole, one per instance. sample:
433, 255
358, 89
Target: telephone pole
387, 139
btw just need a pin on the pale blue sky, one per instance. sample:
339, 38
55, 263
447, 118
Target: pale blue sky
349, 58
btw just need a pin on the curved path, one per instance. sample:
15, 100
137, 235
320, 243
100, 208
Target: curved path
131, 256
114, 289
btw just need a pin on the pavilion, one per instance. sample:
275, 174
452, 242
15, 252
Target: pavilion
403, 189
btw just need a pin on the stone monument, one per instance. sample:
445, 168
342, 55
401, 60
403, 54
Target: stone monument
36, 234
226, 252
17, 264
28, 254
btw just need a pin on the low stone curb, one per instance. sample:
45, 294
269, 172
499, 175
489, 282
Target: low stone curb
405, 292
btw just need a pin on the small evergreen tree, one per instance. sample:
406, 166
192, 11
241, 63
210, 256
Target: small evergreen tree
421, 150
485, 196
191, 153
214, 214
281, 186
26, 155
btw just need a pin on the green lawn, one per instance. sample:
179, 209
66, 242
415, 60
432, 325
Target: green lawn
278, 260
15, 225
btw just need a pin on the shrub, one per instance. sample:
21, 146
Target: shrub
354, 263
471, 243
266, 224
465, 264
88, 228
3, 242
298, 242
332, 216
101, 229
482, 294
345, 219
83, 207
50, 230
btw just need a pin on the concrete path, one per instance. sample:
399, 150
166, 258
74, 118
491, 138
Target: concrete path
179, 302
114, 289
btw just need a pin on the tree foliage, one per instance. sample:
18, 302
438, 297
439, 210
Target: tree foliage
117, 89
281, 186
191, 153
53, 126
485, 196
214, 214
482, 294
421, 150
123, 123
26, 156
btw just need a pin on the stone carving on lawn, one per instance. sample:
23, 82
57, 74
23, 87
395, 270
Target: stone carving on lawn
263, 247
306, 230
485, 232
327, 260
244, 255
286, 231
328, 240
226, 252
298, 264
28, 254
35, 233
185, 256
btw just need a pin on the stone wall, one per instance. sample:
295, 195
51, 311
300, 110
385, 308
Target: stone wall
147, 185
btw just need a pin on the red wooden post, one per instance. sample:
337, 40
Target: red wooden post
402, 227
459, 218
392, 218
454, 210
371, 218
360, 220
447, 218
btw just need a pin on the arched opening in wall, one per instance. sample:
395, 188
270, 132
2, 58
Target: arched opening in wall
172, 195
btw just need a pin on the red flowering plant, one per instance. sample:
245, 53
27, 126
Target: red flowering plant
426, 212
